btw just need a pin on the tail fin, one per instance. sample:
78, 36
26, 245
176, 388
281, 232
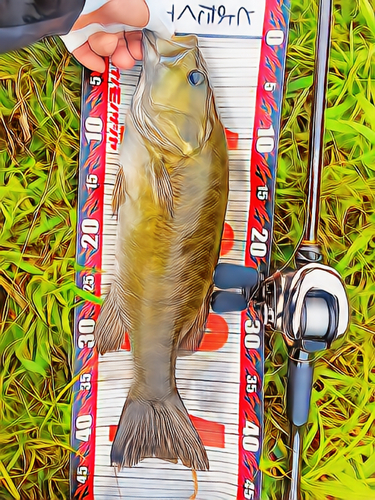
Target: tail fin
160, 429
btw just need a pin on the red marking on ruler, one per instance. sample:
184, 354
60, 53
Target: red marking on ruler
212, 434
232, 139
122, 132
114, 102
227, 241
126, 345
112, 432
217, 334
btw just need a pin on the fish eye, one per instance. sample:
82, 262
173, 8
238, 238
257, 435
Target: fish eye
196, 77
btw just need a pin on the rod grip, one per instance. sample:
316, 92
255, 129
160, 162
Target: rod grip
300, 380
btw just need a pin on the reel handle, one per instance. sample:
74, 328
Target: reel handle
235, 276
232, 276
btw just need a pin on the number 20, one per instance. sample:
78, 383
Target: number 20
258, 247
90, 227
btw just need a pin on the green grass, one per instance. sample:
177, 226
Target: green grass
39, 144
339, 449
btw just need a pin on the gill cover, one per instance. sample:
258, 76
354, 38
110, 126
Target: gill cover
23, 22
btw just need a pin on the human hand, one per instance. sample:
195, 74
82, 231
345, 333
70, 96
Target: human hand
100, 34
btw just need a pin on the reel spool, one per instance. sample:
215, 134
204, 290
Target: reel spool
309, 306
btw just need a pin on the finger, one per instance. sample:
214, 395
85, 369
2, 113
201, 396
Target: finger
122, 57
103, 44
134, 41
88, 58
135, 14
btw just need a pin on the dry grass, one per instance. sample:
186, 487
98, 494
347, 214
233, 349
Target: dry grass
339, 448
39, 144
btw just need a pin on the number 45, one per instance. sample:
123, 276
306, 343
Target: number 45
82, 473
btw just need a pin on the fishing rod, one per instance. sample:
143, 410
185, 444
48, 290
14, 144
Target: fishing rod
307, 305
309, 249
326, 322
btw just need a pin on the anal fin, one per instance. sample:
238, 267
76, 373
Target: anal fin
192, 339
110, 328
119, 191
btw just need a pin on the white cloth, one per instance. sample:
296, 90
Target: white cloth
159, 22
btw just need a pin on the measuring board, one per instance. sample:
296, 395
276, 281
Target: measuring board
221, 385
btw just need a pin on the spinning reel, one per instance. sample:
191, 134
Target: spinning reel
310, 308
308, 305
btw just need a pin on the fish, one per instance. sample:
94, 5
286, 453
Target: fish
170, 197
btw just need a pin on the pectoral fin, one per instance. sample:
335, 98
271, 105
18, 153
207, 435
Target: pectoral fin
193, 338
162, 185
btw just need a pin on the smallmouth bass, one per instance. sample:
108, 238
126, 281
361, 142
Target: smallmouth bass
170, 195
